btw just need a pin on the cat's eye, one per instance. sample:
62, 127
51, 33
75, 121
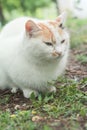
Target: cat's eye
48, 43
63, 41
61, 26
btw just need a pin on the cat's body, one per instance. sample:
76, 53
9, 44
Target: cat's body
33, 56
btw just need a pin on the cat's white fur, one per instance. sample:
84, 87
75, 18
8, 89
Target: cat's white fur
27, 63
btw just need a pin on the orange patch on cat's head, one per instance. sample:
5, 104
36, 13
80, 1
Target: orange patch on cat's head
56, 25
47, 33
60, 31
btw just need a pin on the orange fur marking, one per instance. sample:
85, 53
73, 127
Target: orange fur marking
60, 31
48, 35
55, 24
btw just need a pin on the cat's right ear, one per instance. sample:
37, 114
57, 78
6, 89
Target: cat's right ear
61, 19
31, 28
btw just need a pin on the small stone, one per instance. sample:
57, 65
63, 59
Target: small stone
17, 107
37, 118
24, 105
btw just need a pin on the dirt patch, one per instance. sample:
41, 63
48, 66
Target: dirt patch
76, 69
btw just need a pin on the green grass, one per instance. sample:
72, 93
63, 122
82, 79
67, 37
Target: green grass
68, 102
82, 58
4, 100
78, 32
20, 120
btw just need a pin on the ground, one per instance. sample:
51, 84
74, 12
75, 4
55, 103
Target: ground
65, 110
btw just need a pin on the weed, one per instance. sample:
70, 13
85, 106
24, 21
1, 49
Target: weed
82, 58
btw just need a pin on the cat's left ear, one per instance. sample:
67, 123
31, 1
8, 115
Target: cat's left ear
31, 28
61, 19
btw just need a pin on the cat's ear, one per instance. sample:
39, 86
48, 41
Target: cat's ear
31, 27
61, 19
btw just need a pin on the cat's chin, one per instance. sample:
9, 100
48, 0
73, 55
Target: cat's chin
57, 57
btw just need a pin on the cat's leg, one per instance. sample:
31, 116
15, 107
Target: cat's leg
52, 89
27, 93
14, 90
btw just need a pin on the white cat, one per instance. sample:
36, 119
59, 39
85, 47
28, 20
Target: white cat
32, 53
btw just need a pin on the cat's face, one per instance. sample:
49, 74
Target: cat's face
49, 40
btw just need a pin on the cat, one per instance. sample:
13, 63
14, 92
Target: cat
32, 53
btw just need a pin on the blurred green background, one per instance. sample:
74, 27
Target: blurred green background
45, 9
10, 9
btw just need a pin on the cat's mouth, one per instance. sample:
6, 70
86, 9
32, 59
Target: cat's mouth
57, 54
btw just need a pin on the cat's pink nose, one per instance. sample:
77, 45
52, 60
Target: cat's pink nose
59, 53
56, 53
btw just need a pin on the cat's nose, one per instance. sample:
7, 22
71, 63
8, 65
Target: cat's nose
56, 53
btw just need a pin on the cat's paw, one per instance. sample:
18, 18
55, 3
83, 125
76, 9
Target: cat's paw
27, 93
14, 90
52, 89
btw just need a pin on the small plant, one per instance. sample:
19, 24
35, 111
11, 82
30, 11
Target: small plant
4, 100
82, 58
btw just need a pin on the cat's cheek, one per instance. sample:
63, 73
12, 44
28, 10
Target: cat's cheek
48, 49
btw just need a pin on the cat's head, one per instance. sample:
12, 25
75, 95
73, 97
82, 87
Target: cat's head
47, 39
